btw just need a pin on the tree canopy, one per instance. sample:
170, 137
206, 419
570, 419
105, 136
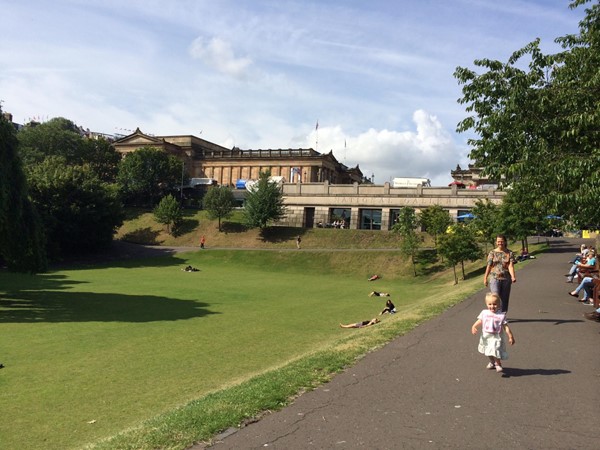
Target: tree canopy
435, 221
264, 203
148, 174
22, 243
537, 121
80, 213
219, 202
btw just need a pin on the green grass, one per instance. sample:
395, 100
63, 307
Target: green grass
162, 358
140, 227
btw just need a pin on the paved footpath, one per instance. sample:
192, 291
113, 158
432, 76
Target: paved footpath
429, 389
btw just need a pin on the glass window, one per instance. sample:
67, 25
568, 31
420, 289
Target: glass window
339, 217
394, 214
370, 219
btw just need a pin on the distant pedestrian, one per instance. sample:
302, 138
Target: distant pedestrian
298, 241
202, 241
500, 266
494, 332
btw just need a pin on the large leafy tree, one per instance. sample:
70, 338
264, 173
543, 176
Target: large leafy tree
264, 203
80, 213
56, 137
536, 120
148, 174
219, 202
521, 215
22, 244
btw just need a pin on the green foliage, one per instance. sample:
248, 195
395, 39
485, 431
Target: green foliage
168, 212
61, 137
406, 227
486, 222
459, 245
22, 243
264, 203
521, 214
538, 127
56, 137
148, 174
80, 213
219, 203
435, 221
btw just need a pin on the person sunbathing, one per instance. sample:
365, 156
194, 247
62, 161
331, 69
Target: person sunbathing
379, 294
364, 323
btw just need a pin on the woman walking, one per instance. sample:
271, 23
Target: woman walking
500, 266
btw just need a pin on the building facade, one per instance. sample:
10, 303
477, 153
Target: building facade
204, 159
372, 207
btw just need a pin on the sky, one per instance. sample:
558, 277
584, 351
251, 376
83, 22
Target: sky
372, 81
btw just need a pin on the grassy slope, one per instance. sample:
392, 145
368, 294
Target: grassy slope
141, 228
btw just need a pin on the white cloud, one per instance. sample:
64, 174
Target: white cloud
427, 151
219, 55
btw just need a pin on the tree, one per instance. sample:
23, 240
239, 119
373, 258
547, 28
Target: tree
406, 227
61, 137
521, 214
219, 203
486, 221
459, 245
538, 127
80, 213
264, 203
168, 212
56, 137
435, 221
22, 243
148, 174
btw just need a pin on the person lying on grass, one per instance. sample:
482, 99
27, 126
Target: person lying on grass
379, 294
364, 323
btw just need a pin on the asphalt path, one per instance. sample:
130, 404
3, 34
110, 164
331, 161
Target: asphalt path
429, 389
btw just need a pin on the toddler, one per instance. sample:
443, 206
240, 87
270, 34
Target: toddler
494, 331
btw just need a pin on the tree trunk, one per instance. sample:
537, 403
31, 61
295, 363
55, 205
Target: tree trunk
455, 277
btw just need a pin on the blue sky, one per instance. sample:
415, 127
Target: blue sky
376, 75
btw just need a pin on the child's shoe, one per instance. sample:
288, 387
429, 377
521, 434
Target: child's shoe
498, 368
490, 365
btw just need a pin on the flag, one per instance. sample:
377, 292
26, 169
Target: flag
344, 143
317, 125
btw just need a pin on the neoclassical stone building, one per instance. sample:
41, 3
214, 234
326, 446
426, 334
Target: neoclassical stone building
204, 159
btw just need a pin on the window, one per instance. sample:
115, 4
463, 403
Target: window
370, 219
339, 217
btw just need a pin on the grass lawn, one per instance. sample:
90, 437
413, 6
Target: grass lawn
92, 352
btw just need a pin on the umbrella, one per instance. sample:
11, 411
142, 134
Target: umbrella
466, 216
